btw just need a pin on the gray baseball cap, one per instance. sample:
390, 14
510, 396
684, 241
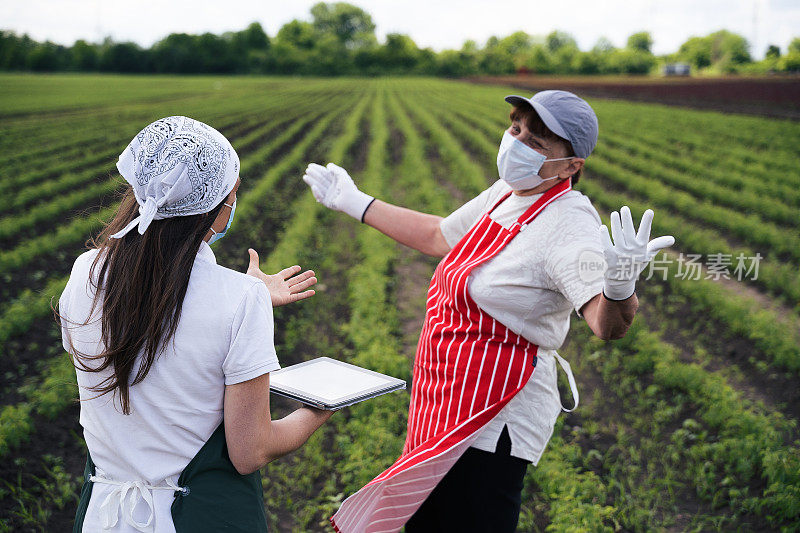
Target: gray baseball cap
567, 115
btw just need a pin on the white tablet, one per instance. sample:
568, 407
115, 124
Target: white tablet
326, 383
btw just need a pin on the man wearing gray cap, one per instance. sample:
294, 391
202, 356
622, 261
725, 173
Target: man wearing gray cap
517, 259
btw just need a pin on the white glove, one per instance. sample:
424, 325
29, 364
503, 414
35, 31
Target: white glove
630, 252
333, 187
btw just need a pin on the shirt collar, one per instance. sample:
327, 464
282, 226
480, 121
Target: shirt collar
205, 253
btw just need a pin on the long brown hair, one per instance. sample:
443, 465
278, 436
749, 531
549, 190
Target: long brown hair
142, 283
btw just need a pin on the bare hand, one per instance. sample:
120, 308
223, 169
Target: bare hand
285, 287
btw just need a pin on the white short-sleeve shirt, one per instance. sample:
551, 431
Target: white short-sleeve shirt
531, 286
224, 336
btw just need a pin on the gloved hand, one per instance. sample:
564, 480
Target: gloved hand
333, 187
630, 252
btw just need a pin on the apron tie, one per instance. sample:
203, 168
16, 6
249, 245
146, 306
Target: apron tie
126, 496
572, 386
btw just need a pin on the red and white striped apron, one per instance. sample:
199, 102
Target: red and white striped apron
467, 367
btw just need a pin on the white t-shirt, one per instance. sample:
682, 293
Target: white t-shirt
531, 286
224, 336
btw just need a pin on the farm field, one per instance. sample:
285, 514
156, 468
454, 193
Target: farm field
689, 423
772, 96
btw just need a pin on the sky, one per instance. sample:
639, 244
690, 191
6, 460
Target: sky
438, 24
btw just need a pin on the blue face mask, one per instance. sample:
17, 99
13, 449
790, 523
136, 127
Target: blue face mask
218, 236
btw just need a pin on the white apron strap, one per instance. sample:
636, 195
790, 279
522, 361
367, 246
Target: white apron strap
125, 496
573, 387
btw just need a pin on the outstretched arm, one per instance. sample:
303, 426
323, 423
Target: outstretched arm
333, 187
414, 229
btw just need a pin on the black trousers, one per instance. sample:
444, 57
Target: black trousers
480, 494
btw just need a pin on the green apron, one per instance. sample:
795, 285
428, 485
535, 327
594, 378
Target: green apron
219, 498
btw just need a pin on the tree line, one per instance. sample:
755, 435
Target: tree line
340, 40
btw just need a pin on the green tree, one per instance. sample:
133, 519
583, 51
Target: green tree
627, 61
400, 53
558, 40
298, 34
14, 50
603, 45
696, 51
330, 57
47, 56
350, 24
253, 37
563, 49
457, 63
286, 58
493, 60
124, 57
249, 49
586, 63
215, 54
723, 50
177, 53
84, 56
791, 61
729, 47
538, 60
515, 44
773, 52
641, 42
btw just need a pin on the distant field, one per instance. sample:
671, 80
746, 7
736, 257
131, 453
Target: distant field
688, 423
777, 96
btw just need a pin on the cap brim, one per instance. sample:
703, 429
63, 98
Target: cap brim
548, 119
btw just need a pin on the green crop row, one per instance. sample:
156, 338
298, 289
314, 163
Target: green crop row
463, 171
84, 156
28, 189
30, 306
19, 315
12, 225
257, 195
231, 121
745, 141
372, 438
727, 452
45, 142
725, 169
315, 237
76, 230
647, 180
708, 176
55, 392
118, 127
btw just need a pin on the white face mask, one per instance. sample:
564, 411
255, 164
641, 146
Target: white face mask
519, 164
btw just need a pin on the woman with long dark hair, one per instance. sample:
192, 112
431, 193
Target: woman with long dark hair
173, 352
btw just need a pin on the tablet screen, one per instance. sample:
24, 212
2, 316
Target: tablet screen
327, 379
